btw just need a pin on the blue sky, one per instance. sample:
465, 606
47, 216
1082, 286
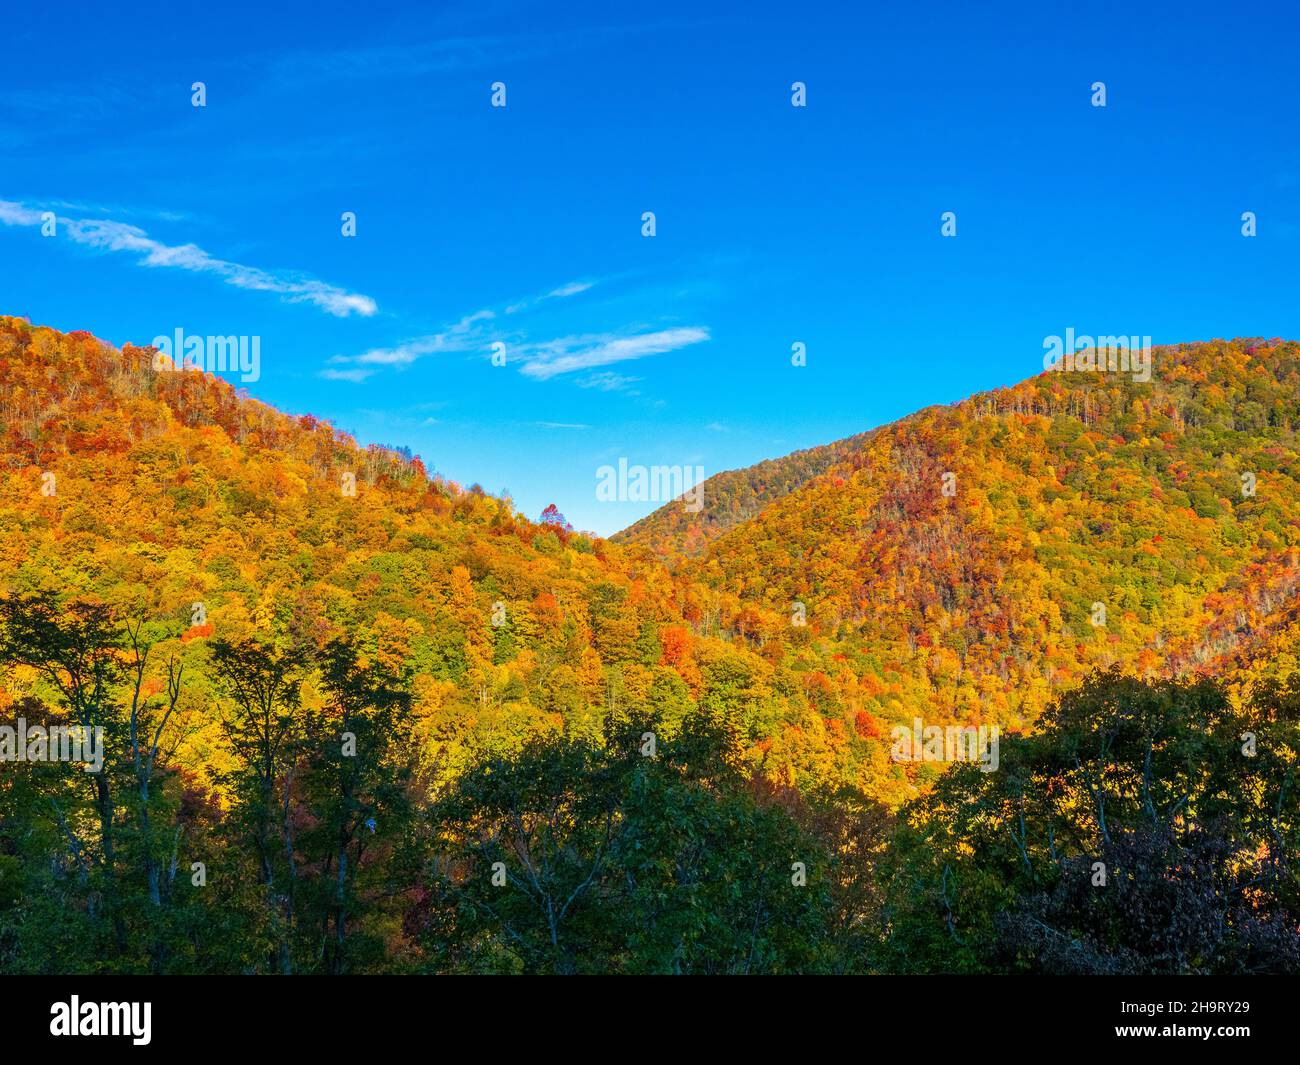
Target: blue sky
522, 225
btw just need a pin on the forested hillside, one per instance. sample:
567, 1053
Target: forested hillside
976, 558
357, 718
731, 498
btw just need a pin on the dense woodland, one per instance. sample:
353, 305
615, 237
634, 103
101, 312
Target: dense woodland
730, 498
360, 719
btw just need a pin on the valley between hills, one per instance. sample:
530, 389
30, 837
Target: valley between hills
358, 718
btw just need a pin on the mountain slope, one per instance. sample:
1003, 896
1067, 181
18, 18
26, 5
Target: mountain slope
969, 560
170, 497
730, 498
858, 598
509, 685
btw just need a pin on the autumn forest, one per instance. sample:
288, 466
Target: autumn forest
357, 718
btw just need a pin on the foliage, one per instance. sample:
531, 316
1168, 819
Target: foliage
327, 713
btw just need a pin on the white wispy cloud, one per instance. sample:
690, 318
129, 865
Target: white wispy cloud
112, 236
573, 288
608, 381
465, 335
571, 354
356, 375
148, 213
15, 214
538, 360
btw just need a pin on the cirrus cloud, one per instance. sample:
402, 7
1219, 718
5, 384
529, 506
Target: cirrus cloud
111, 236
571, 354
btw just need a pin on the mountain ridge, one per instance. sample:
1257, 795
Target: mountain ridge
1064, 559
856, 596
675, 534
